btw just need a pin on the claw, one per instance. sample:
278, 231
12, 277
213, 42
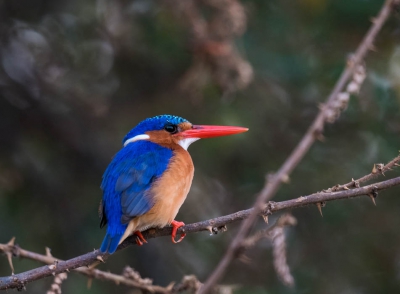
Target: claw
175, 226
139, 238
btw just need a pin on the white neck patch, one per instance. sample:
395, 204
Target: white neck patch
186, 142
136, 138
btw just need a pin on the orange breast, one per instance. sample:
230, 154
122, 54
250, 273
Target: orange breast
169, 192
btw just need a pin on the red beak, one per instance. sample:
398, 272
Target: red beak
199, 131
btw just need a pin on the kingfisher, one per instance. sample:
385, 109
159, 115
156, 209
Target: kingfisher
148, 180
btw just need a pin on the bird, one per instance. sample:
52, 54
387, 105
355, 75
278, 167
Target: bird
148, 180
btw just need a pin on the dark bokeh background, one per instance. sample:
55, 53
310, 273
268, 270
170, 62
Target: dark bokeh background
75, 76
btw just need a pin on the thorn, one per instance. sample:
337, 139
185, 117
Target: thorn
9, 258
98, 257
224, 228
301, 199
335, 188
372, 198
8, 252
320, 137
94, 264
285, 179
355, 183
396, 164
374, 169
265, 217
374, 194
345, 188
89, 283
11, 242
379, 167
170, 286
210, 229
48, 252
52, 267
319, 208
372, 48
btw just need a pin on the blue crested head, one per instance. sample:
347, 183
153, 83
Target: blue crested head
154, 124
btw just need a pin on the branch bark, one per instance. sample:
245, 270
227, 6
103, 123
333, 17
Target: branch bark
56, 266
313, 133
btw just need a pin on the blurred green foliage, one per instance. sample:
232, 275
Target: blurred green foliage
75, 76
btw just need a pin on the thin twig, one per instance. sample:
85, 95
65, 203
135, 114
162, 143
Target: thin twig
278, 240
55, 288
283, 221
57, 266
279, 255
313, 133
90, 272
377, 170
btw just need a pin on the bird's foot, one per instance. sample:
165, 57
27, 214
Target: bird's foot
175, 226
139, 238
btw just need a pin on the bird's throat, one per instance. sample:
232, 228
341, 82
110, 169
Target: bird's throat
185, 143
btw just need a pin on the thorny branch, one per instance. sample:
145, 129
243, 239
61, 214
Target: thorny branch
328, 113
279, 252
80, 263
10, 249
378, 169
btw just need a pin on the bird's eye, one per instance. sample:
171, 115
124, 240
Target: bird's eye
170, 128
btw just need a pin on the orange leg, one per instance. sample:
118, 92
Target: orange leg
139, 238
175, 226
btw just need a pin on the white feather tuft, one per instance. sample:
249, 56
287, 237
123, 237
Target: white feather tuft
185, 143
136, 138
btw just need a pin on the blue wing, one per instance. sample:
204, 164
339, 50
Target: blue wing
134, 185
126, 187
